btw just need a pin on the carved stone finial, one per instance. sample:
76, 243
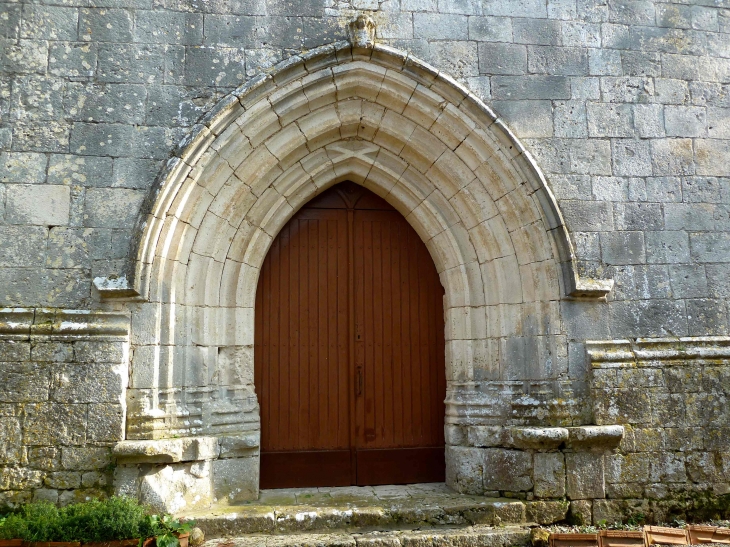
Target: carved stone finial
362, 32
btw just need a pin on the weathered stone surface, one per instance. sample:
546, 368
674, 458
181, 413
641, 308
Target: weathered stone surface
162, 450
78, 458
177, 487
585, 476
87, 384
485, 436
595, 437
24, 383
38, 205
617, 511
64, 480
22, 168
10, 441
465, 469
197, 537
228, 475
547, 512
241, 445
106, 423
111, 208
539, 438
13, 478
508, 470
99, 352
581, 512
68, 248
549, 475
54, 424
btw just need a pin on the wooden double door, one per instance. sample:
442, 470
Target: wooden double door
349, 348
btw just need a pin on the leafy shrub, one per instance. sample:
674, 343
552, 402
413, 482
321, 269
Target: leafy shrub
112, 519
103, 520
39, 521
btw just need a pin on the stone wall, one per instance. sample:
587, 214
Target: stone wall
63, 410
623, 104
620, 110
672, 397
63, 377
660, 451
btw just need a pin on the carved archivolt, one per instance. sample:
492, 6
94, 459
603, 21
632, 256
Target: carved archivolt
378, 117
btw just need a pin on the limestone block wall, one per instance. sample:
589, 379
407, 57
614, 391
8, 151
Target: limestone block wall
63, 377
559, 472
660, 450
623, 105
672, 398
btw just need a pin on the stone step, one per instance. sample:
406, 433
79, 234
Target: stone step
233, 521
462, 536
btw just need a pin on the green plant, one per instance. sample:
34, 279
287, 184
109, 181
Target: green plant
114, 518
165, 529
39, 521
636, 519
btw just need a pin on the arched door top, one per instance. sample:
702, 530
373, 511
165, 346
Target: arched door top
414, 111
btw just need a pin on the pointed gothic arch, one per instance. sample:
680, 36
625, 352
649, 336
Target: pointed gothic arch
387, 121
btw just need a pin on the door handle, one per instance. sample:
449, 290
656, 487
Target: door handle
358, 381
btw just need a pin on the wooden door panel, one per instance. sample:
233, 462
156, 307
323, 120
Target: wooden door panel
399, 321
306, 469
301, 338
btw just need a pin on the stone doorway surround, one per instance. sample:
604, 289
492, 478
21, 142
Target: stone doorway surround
346, 111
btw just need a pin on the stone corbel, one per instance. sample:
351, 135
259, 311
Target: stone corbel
115, 287
580, 439
586, 438
590, 288
538, 438
167, 450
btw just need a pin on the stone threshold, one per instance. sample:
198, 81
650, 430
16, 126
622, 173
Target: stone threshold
467, 536
357, 510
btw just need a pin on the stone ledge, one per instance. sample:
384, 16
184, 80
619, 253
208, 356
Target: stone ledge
580, 438
186, 449
24, 322
588, 288
538, 438
619, 353
591, 437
